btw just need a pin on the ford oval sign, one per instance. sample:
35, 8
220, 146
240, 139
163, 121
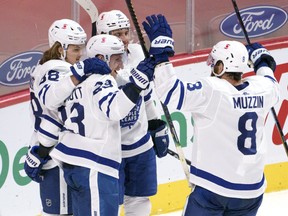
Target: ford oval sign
258, 21
16, 70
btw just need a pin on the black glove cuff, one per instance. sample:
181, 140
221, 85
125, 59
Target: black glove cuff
269, 60
43, 151
132, 92
155, 124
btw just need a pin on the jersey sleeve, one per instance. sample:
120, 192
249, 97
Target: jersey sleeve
174, 93
55, 86
136, 52
150, 107
46, 122
49, 128
112, 101
271, 82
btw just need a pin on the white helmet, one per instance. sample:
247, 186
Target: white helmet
111, 20
233, 54
66, 32
105, 45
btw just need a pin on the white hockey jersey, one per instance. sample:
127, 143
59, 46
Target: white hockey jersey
91, 135
134, 127
229, 147
46, 122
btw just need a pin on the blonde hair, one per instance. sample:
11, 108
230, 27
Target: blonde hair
52, 53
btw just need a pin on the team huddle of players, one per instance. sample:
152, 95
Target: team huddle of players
97, 131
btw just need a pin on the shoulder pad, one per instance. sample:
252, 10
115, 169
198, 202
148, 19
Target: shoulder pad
57, 65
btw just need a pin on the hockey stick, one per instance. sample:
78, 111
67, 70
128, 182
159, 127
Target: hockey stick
179, 150
91, 10
175, 155
272, 109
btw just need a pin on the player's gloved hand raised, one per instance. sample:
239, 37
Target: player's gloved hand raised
160, 36
143, 74
159, 134
260, 56
89, 66
34, 163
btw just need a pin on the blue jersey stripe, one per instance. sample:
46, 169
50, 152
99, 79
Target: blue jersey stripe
171, 92
42, 93
46, 133
271, 78
148, 96
137, 144
52, 120
104, 99
226, 184
87, 155
180, 102
109, 105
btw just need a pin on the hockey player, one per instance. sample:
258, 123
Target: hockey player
229, 112
51, 83
138, 178
89, 147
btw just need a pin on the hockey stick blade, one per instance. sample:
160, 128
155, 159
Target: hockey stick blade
91, 10
164, 107
279, 128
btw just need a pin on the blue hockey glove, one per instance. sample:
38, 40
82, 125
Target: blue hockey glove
260, 56
34, 163
89, 66
160, 36
143, 74
159, 134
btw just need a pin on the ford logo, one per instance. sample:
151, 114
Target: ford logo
258, 21
16, 70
